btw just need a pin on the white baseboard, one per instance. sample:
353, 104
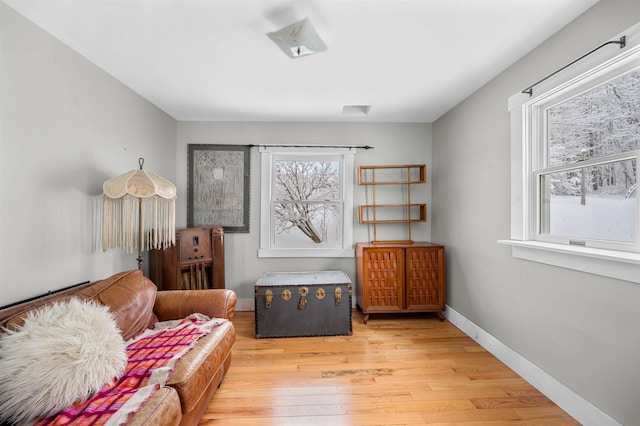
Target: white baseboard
578, 407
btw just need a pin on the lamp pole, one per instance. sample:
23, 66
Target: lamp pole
139, 259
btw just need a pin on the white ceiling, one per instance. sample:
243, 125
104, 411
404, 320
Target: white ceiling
410, 61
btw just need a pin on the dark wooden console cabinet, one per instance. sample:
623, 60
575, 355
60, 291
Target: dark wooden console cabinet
195, 262
399, 277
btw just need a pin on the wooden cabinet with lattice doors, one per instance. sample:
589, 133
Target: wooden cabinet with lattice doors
400, 277
383, 208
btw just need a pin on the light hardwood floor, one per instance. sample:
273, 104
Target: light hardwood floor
395, 370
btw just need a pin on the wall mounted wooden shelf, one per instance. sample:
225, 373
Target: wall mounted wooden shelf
376, 213
411, 178
421, 217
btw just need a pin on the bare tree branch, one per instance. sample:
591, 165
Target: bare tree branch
308, 191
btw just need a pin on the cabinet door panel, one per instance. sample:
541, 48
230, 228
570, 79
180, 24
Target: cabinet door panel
425, 278
384, 279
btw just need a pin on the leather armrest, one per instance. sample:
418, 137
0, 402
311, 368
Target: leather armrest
177, 304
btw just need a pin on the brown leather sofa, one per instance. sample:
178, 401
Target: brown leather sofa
137, 305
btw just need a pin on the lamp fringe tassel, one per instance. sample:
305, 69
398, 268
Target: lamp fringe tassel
122, 215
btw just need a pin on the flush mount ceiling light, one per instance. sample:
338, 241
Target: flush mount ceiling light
298, 39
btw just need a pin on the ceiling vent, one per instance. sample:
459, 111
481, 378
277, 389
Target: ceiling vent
361, 110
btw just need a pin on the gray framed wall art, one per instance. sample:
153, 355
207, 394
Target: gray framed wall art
218, 186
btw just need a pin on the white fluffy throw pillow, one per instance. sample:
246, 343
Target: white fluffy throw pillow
65, 352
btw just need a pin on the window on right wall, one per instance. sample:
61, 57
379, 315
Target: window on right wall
575, 155
584, 175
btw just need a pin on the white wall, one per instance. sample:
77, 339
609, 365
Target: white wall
582, 329
65, 127
393, 144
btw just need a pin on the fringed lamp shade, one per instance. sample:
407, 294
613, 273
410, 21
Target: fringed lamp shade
139, 212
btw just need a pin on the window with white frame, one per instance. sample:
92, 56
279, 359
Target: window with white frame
575, 156
306, 202
584, 167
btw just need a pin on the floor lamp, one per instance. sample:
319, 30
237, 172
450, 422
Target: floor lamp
138, 212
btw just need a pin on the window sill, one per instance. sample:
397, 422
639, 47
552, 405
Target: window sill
608, 263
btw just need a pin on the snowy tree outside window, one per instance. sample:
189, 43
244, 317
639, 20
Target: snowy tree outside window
587, 176
306, 203
307, 207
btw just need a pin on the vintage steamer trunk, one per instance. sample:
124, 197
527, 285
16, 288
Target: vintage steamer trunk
296, 304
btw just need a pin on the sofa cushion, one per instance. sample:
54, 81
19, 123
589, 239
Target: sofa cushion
194, 372
163, 408
64, 352
130, 296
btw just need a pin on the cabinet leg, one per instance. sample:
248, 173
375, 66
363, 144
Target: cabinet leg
365, 318
440, 316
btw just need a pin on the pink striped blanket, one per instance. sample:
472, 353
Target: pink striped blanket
152, 358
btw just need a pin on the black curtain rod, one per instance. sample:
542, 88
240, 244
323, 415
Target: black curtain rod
622, 42
311, 146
